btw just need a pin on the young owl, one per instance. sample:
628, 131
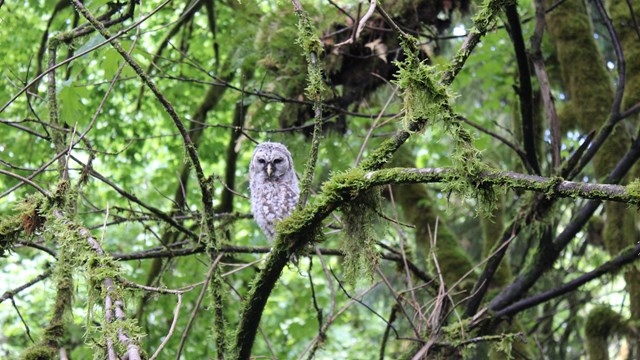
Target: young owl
273, 185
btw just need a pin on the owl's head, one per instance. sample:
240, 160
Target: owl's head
271, 162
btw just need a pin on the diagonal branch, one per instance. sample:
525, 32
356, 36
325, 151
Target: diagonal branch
611, 266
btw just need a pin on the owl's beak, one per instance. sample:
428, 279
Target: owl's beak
269, 169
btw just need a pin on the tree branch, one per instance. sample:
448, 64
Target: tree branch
525, 91
545, 260
611, 266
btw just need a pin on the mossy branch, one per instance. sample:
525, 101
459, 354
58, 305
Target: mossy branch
57, 136
104, 274
483, 21
300, 228
312, 47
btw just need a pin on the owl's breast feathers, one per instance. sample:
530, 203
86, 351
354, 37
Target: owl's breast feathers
276, 201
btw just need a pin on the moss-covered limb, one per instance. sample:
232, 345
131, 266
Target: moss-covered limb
206, 191
525, 89
483, 21
57, 136
56, 330
35, 210
220, 335
300, 228
294, 232
551, 187
625, 257
258, 296
423, 95
312, 47
101, 269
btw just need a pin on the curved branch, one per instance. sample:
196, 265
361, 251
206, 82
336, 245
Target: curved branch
11, 293
26, 181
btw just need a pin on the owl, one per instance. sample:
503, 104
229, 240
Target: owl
273, 185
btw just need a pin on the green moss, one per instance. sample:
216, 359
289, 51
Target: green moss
75, 255
423, 96
39, 352
621, 16
28, 219
382, 155
633, 188
485, 18
359, 240
312, 48
602, 322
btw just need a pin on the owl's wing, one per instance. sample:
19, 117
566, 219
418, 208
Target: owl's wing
290, 199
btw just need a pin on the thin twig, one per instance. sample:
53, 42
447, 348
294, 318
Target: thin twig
361, 23
26, 181
196, 307
13, 302
83, 53
176, 312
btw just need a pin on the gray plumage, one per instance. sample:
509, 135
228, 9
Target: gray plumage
273, 185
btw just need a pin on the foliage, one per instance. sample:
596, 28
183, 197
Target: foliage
113, 208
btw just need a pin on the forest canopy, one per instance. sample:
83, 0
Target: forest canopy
467, 170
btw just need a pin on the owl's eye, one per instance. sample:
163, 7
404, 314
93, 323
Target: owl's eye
261, 161
277, 161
